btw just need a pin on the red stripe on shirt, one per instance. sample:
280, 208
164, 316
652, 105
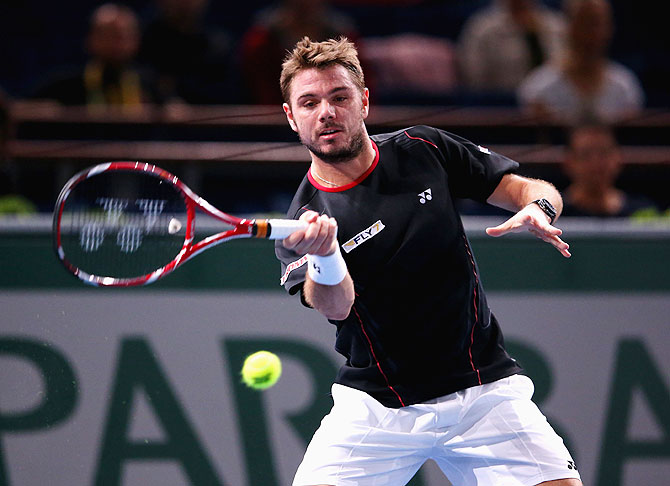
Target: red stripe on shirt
422, 139
474, 305
374, 356
360, 179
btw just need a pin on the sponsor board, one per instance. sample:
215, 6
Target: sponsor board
137, 388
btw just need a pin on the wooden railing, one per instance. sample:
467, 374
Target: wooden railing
49, 132
268, 152
253, 145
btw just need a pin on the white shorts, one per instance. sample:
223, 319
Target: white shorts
485, 435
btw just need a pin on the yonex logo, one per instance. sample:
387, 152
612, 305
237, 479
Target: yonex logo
426, 195
572, 465
363, 236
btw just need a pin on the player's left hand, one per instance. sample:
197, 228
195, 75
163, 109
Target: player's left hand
532, 219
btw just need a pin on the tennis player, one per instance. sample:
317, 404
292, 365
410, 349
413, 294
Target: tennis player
385, 259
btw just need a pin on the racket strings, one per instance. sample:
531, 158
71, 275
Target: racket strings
122, 225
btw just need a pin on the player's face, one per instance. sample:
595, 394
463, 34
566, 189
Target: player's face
327, 111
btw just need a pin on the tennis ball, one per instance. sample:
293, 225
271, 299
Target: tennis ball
261, 370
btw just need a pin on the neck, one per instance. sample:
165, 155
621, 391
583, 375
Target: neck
344, 172
582, 61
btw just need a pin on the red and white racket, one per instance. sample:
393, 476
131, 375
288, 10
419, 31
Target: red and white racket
122, 224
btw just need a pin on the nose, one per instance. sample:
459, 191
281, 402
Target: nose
326, 111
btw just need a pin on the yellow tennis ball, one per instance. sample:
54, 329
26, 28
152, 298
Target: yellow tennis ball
261, 370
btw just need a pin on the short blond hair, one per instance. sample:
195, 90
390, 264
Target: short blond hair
308, 54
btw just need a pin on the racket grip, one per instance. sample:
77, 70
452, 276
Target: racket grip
278, 229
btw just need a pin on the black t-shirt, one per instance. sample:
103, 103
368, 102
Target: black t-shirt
420, 326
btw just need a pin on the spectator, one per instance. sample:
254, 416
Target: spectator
501, 44
275, 31
592, 163
191, 62
110, 77
585, 82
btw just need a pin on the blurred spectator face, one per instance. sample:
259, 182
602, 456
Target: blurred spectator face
593, 156
114, 36
591, 26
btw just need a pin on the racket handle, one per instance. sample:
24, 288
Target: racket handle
278, 229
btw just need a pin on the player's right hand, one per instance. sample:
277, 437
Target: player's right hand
318, 238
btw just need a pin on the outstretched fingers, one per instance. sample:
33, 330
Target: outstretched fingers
537, 226
555, 241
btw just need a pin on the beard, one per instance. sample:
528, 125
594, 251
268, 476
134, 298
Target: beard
343, 154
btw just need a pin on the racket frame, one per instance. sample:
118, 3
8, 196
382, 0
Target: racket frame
242, 227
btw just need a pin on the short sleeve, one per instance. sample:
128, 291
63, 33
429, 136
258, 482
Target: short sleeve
474, 171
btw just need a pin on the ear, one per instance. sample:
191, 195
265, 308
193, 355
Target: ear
289, 116
366, 102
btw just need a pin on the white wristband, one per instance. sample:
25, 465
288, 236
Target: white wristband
327, 270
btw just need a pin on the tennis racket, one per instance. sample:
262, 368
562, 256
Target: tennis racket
123, 224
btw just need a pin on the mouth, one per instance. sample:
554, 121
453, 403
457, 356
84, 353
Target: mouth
329, 133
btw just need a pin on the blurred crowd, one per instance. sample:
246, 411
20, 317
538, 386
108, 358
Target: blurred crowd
553, 62
551, 59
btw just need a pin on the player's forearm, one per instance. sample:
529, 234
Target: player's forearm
515, 192
333, 301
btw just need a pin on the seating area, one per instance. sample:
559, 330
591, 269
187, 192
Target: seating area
246, 158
